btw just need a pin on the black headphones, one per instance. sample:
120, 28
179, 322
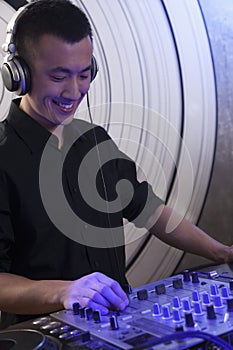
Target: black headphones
15, 71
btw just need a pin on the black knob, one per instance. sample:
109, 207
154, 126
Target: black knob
186, 276
114, 322
231, 285
229, 304
96, 316
189, 320
195, 278
177, 283
211, 315
160, 289
142, 294
88, 313
76, 307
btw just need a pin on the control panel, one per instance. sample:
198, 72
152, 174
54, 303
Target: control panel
192, 310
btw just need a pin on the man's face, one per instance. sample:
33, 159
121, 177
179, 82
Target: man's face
60, 74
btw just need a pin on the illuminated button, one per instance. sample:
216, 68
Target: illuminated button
50, 325
143, 312
41, 321
126, 318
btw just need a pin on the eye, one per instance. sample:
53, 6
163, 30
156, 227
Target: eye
57, 78
84, 76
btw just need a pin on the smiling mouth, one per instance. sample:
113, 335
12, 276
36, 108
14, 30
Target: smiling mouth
67, 107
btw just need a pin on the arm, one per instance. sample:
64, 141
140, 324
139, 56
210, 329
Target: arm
188, 237
24, 296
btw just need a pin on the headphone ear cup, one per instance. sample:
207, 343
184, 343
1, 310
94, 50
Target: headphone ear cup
94, 68
16, 75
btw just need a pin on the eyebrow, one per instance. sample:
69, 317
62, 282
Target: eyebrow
67, 70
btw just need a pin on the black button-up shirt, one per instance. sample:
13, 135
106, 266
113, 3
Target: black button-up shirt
33, 241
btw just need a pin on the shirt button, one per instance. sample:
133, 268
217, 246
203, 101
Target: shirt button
75, 189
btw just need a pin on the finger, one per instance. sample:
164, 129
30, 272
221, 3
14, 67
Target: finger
114, 285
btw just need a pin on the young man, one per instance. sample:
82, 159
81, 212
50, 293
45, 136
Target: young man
43, 269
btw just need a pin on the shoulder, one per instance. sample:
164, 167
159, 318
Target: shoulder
92, 132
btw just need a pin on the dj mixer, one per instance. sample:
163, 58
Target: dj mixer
192, 310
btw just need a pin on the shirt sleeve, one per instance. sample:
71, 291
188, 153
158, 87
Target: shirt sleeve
6, 229
142, 201
138, 201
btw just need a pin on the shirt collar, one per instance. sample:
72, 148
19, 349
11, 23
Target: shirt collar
30, 131
35, 135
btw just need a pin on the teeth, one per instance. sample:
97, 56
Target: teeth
63, 105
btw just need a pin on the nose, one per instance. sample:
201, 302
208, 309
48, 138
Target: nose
72, 88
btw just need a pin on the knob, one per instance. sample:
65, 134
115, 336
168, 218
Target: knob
114, 322
231, 285
225, 292
157, 310
210, 312
206, 298
177, 283
177, 316
218, 302
82, 312
195, 295
230, 304
189, 320
142, 294
176, 302
186, 305
166, 312
198, 309
195, 278
97, 316
88, 313
76, 307
160, 289
186, 276
213, 289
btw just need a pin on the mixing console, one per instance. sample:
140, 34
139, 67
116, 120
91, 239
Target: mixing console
186, 311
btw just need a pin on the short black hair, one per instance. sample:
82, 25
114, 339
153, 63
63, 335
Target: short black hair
60, 18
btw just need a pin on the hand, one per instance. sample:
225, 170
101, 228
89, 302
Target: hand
96, 291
